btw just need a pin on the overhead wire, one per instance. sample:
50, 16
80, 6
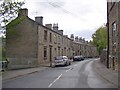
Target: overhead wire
54, 4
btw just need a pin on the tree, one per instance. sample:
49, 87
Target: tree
9, 10
100, 38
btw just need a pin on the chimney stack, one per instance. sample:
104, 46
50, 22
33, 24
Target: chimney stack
86, 42
83, 40
48, 26
80, 39
23, 12
55, 27
39, 20
60, 31
72, 36
76, 38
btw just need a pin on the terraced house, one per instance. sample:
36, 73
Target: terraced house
84, 48
29, 43
113, 19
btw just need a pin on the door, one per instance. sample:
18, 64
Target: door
50, 56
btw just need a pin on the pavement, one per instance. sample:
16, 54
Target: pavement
107, 74
21, 72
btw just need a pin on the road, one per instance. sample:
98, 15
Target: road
78, 75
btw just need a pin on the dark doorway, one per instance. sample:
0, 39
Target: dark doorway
50, 56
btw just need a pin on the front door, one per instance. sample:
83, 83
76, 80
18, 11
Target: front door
50, 56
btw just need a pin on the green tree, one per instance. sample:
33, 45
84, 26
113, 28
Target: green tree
9, 10
100, 38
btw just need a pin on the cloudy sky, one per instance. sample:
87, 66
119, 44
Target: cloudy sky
78, 17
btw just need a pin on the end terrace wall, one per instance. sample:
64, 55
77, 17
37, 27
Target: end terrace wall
21, 50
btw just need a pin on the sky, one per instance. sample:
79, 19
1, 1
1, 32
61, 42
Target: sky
79, 17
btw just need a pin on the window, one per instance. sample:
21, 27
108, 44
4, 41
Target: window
45, 35
58, 39
50, 37
114, 28
80, 53
58, 51
62, 52
62, 40
80, 47
45, 52
55, 39
55, 52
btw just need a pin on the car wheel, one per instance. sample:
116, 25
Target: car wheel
66, 64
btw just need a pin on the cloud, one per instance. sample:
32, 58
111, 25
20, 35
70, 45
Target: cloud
73, 16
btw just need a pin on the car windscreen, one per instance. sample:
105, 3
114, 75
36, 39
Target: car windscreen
59, 58
76, 56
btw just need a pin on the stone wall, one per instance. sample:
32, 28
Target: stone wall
21, 50
113, 13
103, 57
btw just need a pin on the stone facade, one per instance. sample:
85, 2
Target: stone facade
85, 49
21, 47
35, 44
113, 18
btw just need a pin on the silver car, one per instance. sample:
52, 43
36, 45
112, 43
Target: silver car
62, 60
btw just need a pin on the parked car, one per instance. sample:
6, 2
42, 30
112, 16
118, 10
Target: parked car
78, 58
62, 60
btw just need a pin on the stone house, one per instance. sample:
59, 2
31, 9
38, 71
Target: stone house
85, 49
30, 44
22, 44
113, 24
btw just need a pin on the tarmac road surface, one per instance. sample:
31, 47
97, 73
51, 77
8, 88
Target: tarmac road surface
80, 74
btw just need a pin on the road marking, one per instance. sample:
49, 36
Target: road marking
68, 70
55, 80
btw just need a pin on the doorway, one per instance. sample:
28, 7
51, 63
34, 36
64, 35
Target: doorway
50, 56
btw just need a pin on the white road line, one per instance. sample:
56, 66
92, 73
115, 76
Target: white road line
68, 70
55, 80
